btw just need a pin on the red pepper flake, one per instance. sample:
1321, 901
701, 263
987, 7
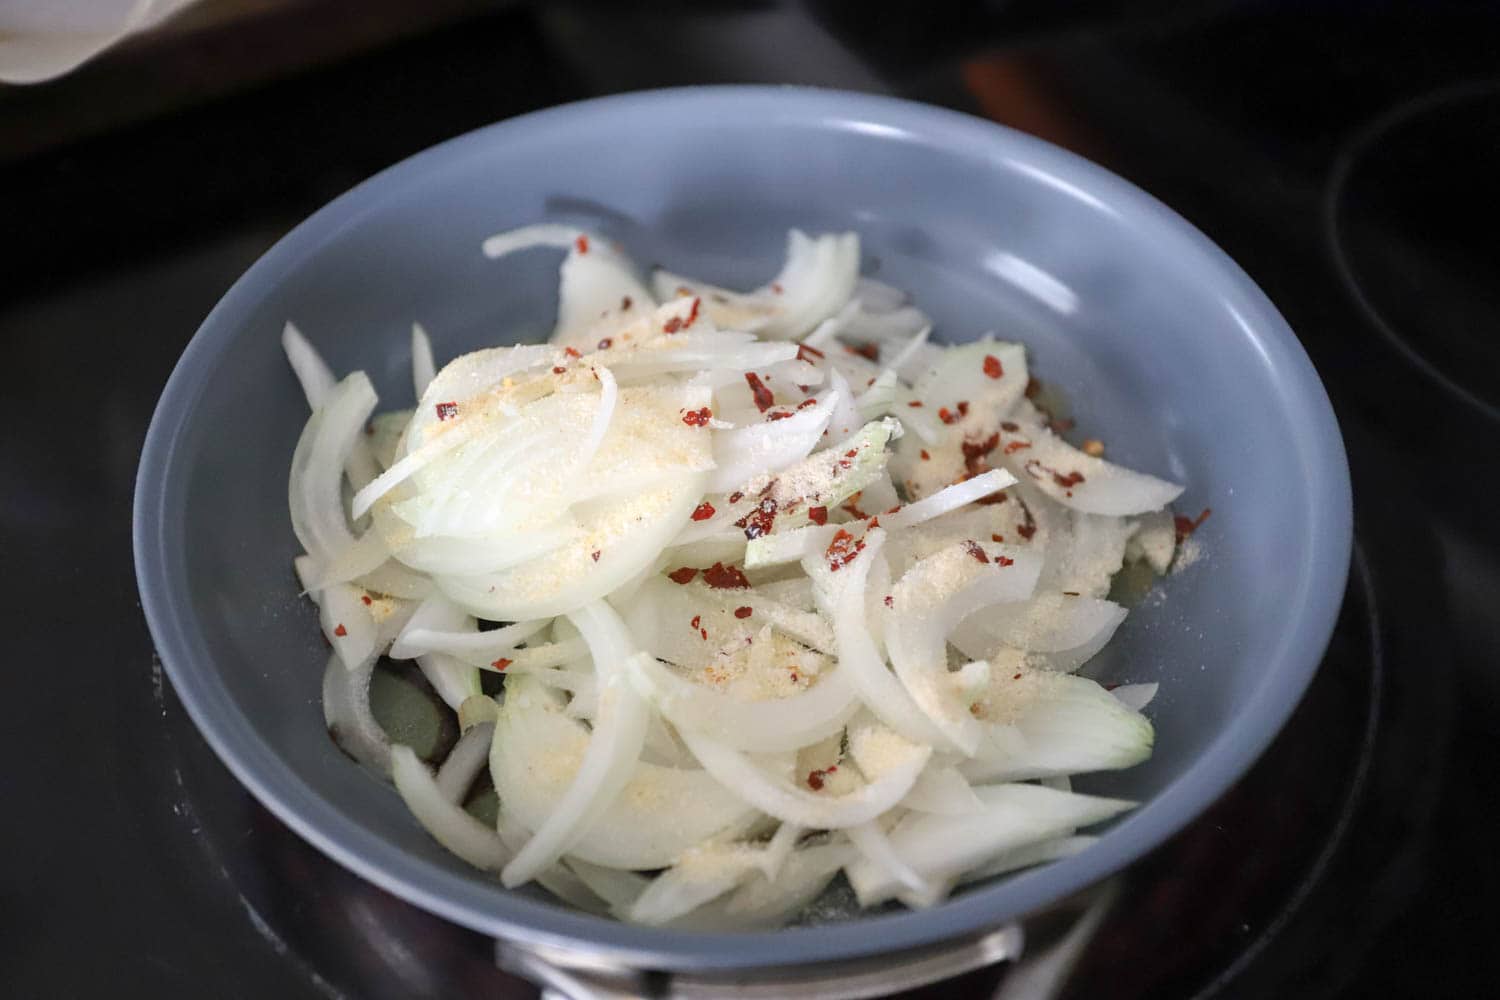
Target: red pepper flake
582, 243
868, 351
776, 287
626, 302
843, 550
924, 454
1029, 528
1070, 480
501, 663
1004, 561
963, 407
1065, 481
703, 511
736, 496
682, 575
697, 621
606, 343
366, 599
915, 403
742, 612
703, 634
890, 602
341, 631
572, 352
1016, 677
698, 417
993, 498
446, 410
1011, 447
817, 515
558, 370
1186, 526
998, 538
974, 452
874, 522
992, 366
794, 677
804, 352
776, 415
692, 316
815, 778
974, 549
947, 416
763, 396
672, 325
760, 520
806, 403
1070, 593
722, 577
1009, 427
594, 555
852, 505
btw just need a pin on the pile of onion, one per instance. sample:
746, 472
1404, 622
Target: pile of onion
779, 589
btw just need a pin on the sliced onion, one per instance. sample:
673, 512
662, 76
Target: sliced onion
346, 622
346, 710
765, 449
470, 645
872, 843
701, 875
1135, 696
1155, 540
755, 785
774, 725
423, 368
1103, 487
942, 846
1048, 623
779, 849
449, 825
620, 889
947, 499
469, 756
436, 613
944, 791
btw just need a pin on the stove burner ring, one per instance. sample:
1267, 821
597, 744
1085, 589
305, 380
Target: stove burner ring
1350, 158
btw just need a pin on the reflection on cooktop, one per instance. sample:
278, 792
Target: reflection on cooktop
1413, 218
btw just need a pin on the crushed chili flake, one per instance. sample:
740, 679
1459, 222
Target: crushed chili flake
697, 621
804, 352
775, 415
767, 488
366, 598
446, 410
1029, 528
806, 403
1011, 447
1070, 480
1009, 427
594, 555
1004, 561
874, 523
815, 780
558, 369
924, 455
626, 302
998, 538
992, 366
1186, 526
963, 407
698, 417
993, 498
974, 452
743, 612
582, 243
501, 663
606, 343
703, 511
692, 316
852, 505
683, 575
947, 416
736, 496
817, 515
760, 520
722, 577
703, 634
976, 550
1016, 677
915, 403
794, 677
341, 631
672, 325
763, 396
890, 601
572, 352
843, 550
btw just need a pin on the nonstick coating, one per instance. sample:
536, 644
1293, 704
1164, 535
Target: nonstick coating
1165, 348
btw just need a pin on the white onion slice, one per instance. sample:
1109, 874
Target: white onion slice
700, 875
944, 791
774, 725
1135, 696
1101, 487
449, 825
769, 448
871, 842
619, 889
346, 711
755, 785
947, 499
1048, 623
464, 762
471, 646
423, 368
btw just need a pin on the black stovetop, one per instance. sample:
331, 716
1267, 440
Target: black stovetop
1345, 154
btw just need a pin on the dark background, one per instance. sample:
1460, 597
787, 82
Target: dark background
1346, 154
